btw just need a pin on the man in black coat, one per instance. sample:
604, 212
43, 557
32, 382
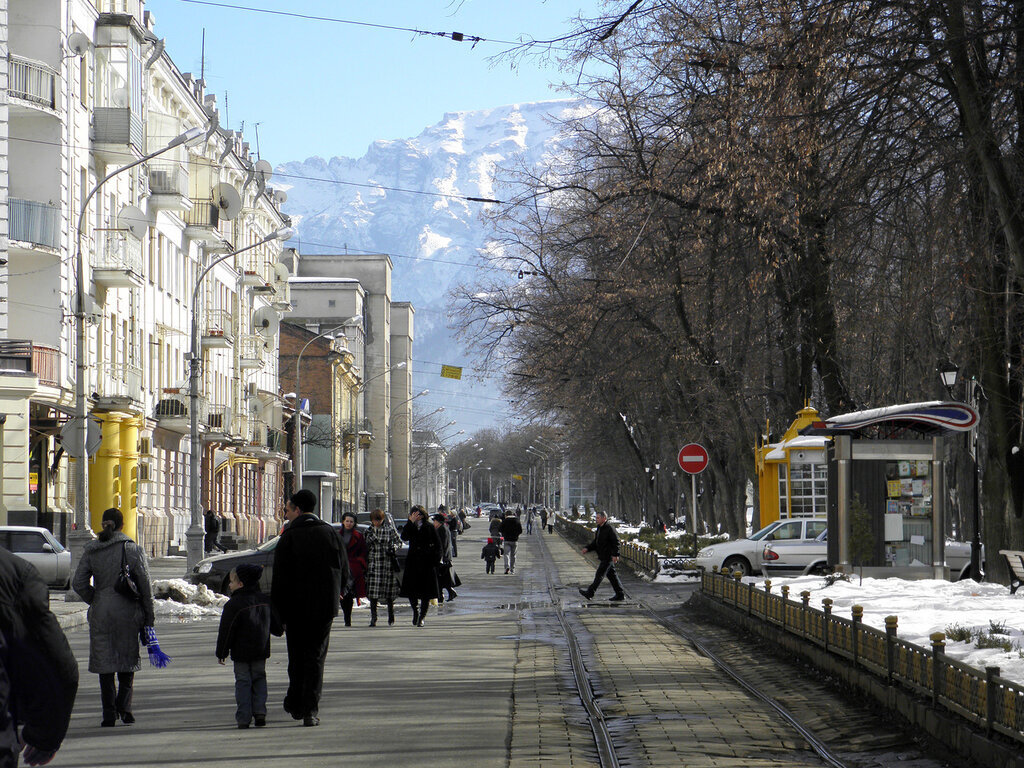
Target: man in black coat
310, 567
41, 679
511, 529
606, 544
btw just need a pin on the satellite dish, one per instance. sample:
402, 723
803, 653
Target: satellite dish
266, 322
265, 169
79, 43
281, 272
280, 196
119, 97
133, 220
228, 200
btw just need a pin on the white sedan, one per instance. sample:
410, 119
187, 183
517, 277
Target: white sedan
39, 547
745, 554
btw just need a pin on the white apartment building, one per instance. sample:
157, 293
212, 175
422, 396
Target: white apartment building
93, 91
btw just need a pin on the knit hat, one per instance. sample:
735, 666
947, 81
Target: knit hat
490, 541
248, 573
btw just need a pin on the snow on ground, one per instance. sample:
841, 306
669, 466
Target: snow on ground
178, 600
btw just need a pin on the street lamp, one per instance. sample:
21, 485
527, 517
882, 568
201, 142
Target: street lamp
390, 440
297, 418
949, 372
195, 533
81, 532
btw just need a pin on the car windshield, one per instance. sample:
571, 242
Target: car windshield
765, 531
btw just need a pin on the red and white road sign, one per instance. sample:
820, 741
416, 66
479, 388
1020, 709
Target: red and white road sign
693, 458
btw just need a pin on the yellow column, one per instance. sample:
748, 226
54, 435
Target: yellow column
129, 462
105, 483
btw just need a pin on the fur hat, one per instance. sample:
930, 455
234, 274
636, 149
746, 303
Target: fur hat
248, 573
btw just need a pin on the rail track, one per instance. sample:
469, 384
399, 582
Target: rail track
856, 738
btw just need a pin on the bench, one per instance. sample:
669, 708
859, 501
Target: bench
1014, 559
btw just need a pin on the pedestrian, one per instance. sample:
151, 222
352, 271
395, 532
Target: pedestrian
606, 544
355, 549
489, 555
38, 671
530, 515
310, 567
211, 524
419, 583
447, 579
543, 518
511, 529
245, 628
494, 527
552, 517
115, 620
382, 543
455, 528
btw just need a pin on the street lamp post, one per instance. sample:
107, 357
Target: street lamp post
81, 532
297, 417
195, 533
949, 372
355, 426
390, 439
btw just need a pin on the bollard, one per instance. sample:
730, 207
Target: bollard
858, 616
938, 665
890, 648
805, 598
826, 606
991, 698
785, 599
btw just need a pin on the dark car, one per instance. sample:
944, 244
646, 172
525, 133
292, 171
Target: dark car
214, 571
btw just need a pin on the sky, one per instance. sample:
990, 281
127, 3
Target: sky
326, 88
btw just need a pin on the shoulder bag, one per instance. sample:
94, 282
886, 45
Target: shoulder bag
125, 584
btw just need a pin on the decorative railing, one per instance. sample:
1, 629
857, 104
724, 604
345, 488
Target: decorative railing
167, 178
34, 222
983, 697
120, 380
203, 214
120, 251
32, 81
218, 324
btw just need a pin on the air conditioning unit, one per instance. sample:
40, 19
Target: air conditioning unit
145, 446
251, 389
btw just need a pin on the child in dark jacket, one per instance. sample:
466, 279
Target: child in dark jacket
490, 554
245, 628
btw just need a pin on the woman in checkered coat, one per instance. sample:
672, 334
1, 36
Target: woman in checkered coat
382, 540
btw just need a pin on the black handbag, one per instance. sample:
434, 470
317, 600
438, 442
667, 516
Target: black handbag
393, 559
125, 584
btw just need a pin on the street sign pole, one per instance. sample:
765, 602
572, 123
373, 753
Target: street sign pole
693, 518
693, 459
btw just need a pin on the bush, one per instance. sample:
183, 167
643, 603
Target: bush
997, 628
959, 633
992, 641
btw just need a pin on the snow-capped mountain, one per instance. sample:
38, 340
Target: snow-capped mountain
392, 200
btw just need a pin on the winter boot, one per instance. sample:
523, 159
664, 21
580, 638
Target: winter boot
373, 613
391, 613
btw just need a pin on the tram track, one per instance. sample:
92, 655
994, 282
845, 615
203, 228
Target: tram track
849, 746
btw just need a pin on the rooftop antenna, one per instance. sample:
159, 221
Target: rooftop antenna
202, 58
256, 127
227, 117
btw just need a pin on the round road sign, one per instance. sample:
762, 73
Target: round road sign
693, 458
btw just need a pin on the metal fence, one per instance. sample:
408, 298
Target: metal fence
34, 222
982, 697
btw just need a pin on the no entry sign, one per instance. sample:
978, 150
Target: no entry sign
693, 458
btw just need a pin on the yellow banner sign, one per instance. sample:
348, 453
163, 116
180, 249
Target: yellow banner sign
517, 477
451, 372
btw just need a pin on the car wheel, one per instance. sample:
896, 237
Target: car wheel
821, 570
737, 564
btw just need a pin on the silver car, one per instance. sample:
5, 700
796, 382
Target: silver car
39, 547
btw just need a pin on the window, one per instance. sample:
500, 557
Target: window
804, 491
331, 302
815, 528
27, 542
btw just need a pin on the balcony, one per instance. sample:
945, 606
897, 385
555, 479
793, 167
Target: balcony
218, 332
168, 186
46, 365
23, 355
119, 387
203, 223
119, 261
117, 134
218, 423
32, 85
254, 433
171, 411
277, 441
251, 352
34, 223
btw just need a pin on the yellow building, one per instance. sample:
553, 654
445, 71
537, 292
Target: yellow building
792, 474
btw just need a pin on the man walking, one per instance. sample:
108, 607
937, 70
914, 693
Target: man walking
511, 529
606, 544
310, 567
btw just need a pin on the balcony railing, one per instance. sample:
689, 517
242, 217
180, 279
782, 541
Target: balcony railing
23, 355
46, 365
168, 179
117, 125
32, 81
32, 222
119, 251
277, 440
218, 419
251, 351
120, 380
218, 330
203, 214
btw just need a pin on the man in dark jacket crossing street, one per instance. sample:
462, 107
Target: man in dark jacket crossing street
310, 567
606, 544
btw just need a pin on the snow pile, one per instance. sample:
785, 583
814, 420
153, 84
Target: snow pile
983, 610
177, 599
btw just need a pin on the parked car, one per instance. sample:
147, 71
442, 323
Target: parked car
958, 558
796, 557
745, 554
39, 547
214, 571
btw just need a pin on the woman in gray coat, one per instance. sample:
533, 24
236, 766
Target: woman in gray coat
114, 620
